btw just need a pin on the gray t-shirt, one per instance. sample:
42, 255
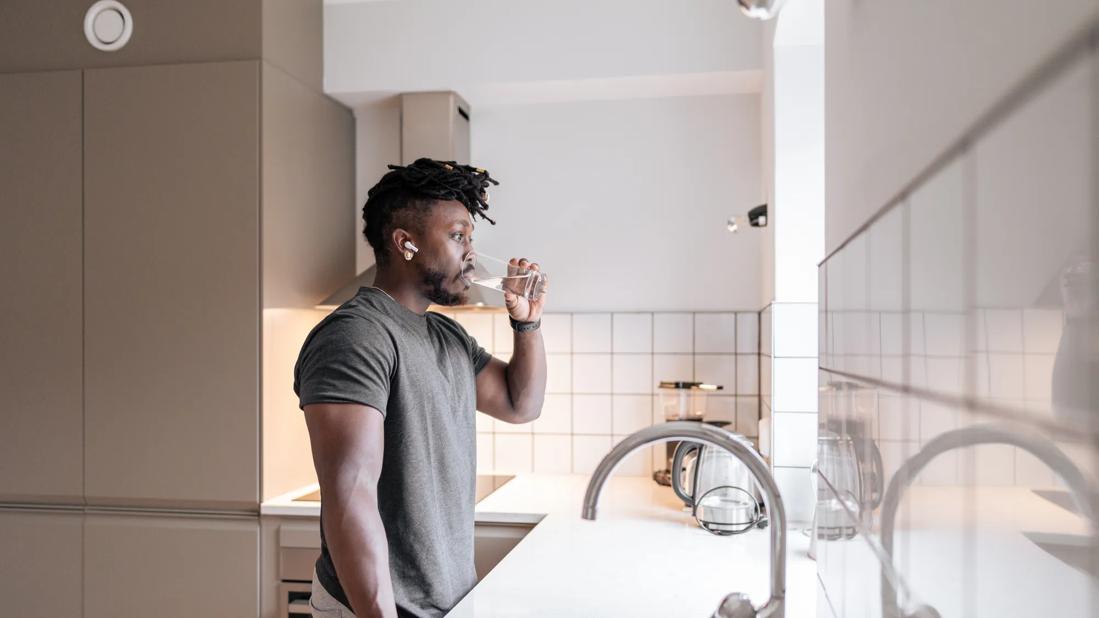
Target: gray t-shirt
419, 371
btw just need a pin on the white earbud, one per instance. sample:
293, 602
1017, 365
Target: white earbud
408, 245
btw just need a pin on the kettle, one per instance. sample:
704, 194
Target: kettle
852, 468
719, 489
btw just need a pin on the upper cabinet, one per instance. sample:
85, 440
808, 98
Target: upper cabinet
172, 298
38, 36
40, 272
156, 199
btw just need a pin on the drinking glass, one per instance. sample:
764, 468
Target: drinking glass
499, 275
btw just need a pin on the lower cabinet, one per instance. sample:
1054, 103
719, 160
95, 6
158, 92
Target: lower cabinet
40, 563
170, 566
291, 546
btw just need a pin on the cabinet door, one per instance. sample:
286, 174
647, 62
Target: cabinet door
172, 314
40, 563
40, 307
170, 566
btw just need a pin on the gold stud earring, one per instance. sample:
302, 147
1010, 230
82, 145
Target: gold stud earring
408, 256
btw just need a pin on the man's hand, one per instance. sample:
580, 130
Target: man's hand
519, 307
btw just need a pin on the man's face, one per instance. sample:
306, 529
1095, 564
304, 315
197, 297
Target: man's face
446, 253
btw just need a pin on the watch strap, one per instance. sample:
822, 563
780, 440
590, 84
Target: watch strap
524, 327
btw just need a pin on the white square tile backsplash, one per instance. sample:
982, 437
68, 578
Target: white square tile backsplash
591, 414
484, 422
673, 333
715, 333
722, 408
556, 415
632, 374
485, 451
502, 337
631, 413
673, 368
556, 332
717, 369
553, 454
747, 374
591, 332
798, 446
747, 416
588, 451
747, 333
633, 332
513, 453
591, 373
795, 329
558, 373
603, 373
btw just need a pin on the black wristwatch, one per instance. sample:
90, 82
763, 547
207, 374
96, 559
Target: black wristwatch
524, 327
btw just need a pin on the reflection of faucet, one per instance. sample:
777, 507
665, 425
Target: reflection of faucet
736, 605
1036, 445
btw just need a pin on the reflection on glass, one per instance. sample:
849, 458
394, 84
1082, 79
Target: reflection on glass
1082, 494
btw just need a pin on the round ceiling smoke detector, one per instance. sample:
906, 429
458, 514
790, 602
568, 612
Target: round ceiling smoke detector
108, 25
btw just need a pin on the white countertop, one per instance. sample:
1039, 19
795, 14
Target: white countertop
643, 556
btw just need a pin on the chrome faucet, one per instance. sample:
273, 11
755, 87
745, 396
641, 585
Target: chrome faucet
735, 605
1036, 445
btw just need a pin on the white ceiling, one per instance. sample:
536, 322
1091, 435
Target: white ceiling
497, 52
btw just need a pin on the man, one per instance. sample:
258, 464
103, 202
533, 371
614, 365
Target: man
390, 391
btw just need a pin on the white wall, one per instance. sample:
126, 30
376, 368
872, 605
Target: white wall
372, 47
905, 78
624, 202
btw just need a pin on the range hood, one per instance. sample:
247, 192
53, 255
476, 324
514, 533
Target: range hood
434, 125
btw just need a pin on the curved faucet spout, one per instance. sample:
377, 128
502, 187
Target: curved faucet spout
991, 433
735, 605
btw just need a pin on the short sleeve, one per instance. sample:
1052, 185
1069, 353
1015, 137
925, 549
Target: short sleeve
478, 355
347, 360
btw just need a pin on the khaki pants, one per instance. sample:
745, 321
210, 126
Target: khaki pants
325, 605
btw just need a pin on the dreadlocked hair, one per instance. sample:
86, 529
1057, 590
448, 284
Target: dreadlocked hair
415, 188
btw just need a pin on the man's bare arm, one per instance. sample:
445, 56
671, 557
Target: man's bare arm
347, 442
515, 391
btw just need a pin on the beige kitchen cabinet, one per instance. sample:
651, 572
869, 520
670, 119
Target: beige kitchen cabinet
40, 261
171, 285
290, 548
170, 566
40, 562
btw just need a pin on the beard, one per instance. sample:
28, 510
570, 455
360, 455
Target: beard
435, 283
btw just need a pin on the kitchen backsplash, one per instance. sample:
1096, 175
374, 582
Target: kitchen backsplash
603, 374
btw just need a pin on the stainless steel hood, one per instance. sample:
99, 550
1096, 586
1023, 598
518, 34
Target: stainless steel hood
434, 125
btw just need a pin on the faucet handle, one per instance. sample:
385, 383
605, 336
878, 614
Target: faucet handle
736, 605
